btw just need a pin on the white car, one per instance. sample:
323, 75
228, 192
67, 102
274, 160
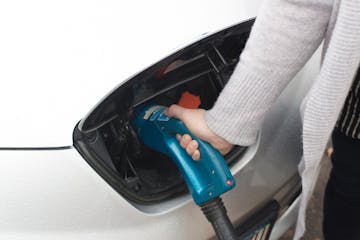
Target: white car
71, 167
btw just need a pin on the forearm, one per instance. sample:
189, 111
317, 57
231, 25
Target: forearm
285, 35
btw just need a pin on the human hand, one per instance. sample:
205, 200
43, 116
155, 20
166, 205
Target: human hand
194, 120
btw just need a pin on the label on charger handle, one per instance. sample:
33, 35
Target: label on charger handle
206, 178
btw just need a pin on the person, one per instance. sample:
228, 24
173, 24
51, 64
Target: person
284, 36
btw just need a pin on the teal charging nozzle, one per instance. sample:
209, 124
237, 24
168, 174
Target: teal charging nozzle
206, 178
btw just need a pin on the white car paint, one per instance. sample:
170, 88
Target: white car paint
55, 194
59, 58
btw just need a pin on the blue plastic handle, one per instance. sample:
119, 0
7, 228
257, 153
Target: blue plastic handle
206, 178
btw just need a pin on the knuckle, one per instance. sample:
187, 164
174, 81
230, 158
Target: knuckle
189, 150
194, 144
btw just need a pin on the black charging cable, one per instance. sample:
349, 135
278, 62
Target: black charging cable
215, 212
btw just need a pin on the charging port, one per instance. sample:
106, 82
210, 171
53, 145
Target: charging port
107, 141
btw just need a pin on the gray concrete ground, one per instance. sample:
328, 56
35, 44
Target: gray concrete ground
314, 212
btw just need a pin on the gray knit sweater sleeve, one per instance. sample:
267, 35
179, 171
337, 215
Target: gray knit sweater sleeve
284, 36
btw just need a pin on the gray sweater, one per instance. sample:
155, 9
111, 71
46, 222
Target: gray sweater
285, 35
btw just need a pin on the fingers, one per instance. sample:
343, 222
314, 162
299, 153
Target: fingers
175, 111
184, 141
196, 155
191, 146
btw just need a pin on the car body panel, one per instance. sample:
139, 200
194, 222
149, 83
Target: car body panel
55, 194
59, 59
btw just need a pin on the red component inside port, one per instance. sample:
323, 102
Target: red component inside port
188, 100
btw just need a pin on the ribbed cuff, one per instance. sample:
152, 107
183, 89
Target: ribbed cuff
240, 109
232, 134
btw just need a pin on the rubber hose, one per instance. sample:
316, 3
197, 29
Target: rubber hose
215, 212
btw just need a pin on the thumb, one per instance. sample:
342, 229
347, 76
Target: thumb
175, 111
